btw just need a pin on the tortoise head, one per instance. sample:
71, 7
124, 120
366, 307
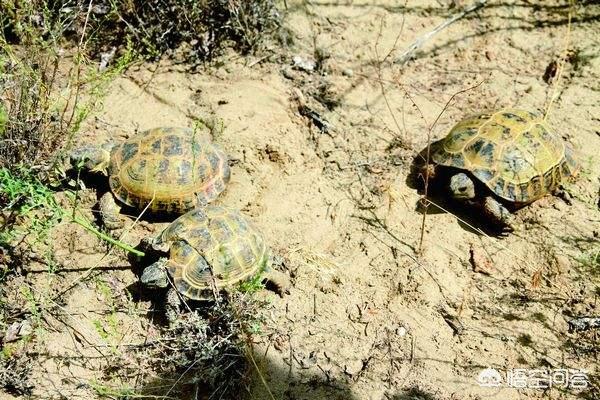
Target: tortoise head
462, 187
156, 275
91, 157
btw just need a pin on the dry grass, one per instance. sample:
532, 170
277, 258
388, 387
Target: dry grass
190, 31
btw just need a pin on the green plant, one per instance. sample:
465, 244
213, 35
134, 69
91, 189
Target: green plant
590, 260
115, 392
27, 204
31, 209
108, 328
253, 284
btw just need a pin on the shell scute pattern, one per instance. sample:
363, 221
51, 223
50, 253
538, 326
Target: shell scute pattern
514, 152
212, 248
128, 151
177, 168
172, 146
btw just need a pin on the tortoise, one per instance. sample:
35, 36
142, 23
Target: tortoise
503, 160
209, 249
171, 169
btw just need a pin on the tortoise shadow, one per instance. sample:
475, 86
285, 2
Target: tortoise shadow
271, 382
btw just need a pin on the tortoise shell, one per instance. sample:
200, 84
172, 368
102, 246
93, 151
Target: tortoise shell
176, 169
212, 248
515, 153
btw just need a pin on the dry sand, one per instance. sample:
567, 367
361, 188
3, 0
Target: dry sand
368, 316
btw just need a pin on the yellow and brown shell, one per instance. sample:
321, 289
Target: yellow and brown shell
213, 248
513, 152
174, 169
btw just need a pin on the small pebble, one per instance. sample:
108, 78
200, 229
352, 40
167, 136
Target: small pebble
305, 65
348, 72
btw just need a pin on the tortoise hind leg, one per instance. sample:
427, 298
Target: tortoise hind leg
110, 212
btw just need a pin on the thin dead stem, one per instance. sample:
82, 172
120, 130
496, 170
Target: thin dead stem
427, 158
407, 55
562, 62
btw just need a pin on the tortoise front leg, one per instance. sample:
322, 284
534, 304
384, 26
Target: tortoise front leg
110, 212
498, 214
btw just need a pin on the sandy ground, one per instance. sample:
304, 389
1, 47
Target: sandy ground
373, 313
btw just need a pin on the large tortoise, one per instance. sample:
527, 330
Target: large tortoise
172, 169
209, 249
503, 160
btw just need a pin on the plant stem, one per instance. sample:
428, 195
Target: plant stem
82, 222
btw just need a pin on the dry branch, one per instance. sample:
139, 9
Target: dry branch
407, 55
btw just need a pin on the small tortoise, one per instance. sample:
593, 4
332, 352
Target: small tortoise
514, 156
209, 249
172, 169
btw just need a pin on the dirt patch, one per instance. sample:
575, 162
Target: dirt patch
373, 312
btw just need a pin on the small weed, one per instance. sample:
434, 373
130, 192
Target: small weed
27, 204
252, 285
214, 125
590, 260
109, 329
121, 392
100, 329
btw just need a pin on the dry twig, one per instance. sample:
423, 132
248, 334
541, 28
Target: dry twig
407, 55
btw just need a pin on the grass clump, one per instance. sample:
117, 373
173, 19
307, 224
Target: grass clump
31, 126
190, 30
199, 30
208, 348
15, 375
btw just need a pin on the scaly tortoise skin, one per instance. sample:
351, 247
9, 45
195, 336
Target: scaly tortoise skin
209, 249
172, 169
514, 152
